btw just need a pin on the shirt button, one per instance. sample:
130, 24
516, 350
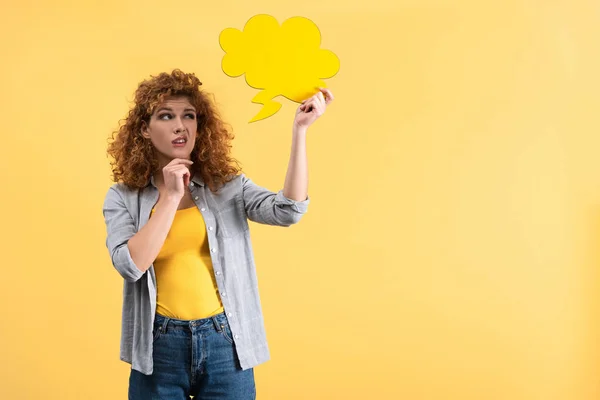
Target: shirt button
210, 228
236, 336
229, 314
218, 272
202, 209
192, 184
223, 294
196, 198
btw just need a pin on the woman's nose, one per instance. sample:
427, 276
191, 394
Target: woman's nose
179, 125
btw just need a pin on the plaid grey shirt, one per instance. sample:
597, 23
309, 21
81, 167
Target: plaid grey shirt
226, 215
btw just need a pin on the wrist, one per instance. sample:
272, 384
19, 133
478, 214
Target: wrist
169, 200
299, 130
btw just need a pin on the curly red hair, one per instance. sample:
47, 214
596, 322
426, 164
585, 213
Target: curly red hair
134, 156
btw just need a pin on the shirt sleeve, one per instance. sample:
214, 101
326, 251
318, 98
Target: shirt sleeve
266, 207
120, 227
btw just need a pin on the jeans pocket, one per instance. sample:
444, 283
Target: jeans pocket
226, 332
157, 333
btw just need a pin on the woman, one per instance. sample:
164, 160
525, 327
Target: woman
177, 232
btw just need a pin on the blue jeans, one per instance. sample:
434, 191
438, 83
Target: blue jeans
193, 358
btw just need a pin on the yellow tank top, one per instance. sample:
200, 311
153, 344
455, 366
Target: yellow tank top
185, 282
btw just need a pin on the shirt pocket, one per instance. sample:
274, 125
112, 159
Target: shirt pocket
231, 218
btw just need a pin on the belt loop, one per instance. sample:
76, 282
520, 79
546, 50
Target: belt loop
216, 323
164, 325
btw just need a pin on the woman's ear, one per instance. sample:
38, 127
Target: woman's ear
145, 130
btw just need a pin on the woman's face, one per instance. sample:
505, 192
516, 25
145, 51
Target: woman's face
172, 122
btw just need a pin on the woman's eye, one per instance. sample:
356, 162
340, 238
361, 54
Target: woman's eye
164, 116
191, 116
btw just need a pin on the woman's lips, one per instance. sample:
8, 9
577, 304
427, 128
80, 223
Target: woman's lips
179, 142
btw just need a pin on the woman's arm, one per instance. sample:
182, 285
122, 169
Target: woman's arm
271, 208
136, 252
287, 206
133, 252
296, 178
145, 245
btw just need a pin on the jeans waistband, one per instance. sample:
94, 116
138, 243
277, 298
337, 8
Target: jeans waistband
215, 321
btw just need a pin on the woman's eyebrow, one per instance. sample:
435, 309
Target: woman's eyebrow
170, 109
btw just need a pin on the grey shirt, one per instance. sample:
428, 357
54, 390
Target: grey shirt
226, 214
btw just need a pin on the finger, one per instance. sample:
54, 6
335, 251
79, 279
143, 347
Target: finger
180, 163
321, 96
304, 105
320, 106
178, 171
321, 99
176, 167
327, 94
319, 109
173, 167
318, 103
183, 168
309, 105
177, 161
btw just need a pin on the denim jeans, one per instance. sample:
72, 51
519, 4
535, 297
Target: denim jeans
193, 358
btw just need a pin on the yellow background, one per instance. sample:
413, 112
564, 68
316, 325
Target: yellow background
451, 247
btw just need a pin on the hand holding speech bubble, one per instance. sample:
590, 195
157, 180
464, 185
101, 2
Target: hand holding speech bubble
281, 60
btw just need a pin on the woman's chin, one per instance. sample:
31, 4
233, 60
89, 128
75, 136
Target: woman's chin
180, 153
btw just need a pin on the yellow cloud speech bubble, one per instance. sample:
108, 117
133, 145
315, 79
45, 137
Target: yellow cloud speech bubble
281, 60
